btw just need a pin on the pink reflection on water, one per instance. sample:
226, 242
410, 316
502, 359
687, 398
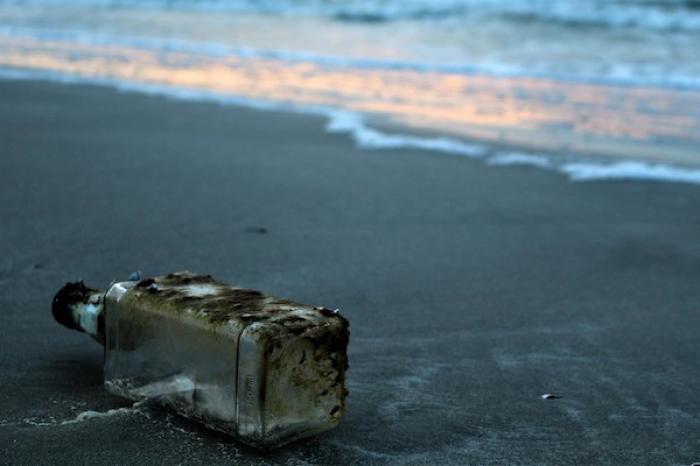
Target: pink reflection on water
532, 112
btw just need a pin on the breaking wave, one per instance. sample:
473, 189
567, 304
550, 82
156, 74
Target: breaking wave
659, 15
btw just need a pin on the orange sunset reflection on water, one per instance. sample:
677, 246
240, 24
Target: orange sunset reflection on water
536, 113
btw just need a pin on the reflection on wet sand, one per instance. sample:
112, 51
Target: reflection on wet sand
535, 113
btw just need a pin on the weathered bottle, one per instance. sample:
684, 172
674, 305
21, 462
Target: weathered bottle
264, 370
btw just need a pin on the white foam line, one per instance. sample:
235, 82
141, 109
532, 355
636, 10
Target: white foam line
368, 138
87, 415
597, 171
353, 124
519, 158
631, 171
32, 422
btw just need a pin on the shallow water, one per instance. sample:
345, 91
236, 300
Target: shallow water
560, 83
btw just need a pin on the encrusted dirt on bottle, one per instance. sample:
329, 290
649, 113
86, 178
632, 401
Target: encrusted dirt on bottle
305, 370
202, 297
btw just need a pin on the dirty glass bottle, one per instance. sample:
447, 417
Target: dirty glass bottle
264, 370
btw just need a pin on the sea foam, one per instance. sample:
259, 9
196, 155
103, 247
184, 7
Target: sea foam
632, 170
369, 138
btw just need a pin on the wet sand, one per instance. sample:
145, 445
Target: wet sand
471, 290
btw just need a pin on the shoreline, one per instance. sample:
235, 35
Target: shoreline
470, 291
378, 132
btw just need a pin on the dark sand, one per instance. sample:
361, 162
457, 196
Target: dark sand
471, 290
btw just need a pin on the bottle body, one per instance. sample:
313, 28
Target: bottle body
264, 370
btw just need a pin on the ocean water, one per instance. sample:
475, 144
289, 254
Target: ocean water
595, 89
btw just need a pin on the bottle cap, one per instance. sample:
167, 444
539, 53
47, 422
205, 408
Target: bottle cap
65, 300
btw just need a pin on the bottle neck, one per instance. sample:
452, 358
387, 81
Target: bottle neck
88, 315
81, 308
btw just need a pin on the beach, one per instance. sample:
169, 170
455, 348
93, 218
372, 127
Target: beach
471, 290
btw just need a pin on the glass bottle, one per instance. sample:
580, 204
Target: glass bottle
264, 370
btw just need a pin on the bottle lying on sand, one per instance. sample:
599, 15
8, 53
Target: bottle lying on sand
264, 370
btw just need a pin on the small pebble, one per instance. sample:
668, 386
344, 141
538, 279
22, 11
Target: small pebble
550, 396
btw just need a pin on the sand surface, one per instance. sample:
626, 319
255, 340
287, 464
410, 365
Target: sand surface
471, 290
